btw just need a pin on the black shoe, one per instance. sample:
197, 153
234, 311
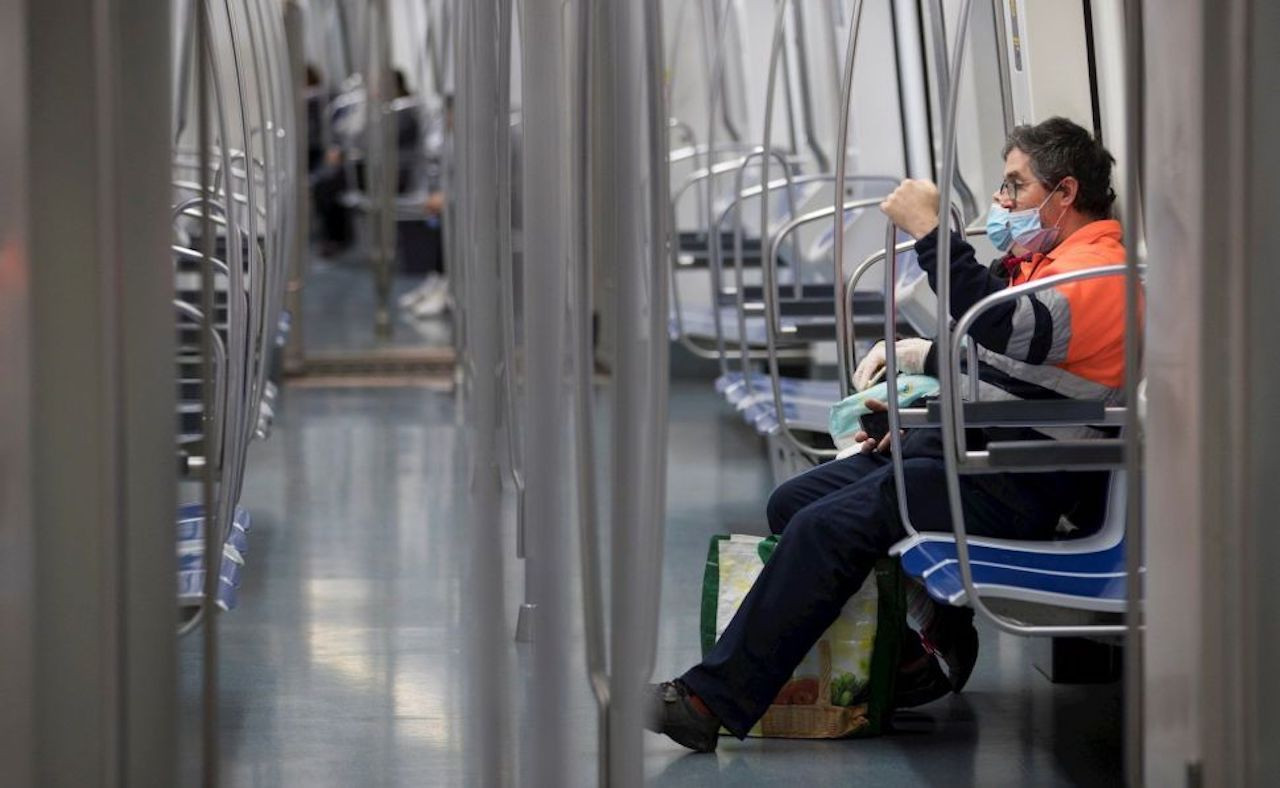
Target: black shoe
920, 678
673, 713
957, 644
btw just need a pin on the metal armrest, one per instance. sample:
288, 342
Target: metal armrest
1032, 413
1047, 455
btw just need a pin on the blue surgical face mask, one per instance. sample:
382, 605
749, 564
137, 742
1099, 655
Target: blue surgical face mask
1006, 227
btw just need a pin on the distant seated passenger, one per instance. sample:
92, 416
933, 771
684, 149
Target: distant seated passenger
1052, 213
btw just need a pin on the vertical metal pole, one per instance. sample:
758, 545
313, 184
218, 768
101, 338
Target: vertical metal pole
659, 243
486, 642
584, 368
212, 549
1002, 64
1134, 675
806, 90
842, 165
715, 97
944, 75
294, 24
99, 349
457, 185
17, 526
507, 312
547, 251
833, 12
380, 90
636, 446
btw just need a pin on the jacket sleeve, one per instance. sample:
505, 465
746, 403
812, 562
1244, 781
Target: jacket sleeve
1035, 328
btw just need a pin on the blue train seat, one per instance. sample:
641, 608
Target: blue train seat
1085, 574
191, 563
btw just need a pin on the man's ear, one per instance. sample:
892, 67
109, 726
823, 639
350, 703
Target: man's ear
1069, 189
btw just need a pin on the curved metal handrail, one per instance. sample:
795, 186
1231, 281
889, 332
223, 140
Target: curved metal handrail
716, 258
851, 283
842, 164
213, 453
779, 31
697, 150
961, 536
773, 319
690, 181
746, 354
967, 320
891, 372
237, 364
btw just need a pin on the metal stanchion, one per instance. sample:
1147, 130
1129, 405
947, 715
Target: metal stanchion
382, 153
294, 354
546, 253
1134, 535
633, 240
483, 593
584, 419
212, 548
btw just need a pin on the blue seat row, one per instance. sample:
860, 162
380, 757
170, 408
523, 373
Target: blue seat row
191, 563
1083, 574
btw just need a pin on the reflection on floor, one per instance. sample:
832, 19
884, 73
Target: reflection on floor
343, 665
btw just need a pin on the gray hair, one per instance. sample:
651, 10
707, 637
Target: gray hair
1059, 148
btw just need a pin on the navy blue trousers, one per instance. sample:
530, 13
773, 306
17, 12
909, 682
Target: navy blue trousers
838, 519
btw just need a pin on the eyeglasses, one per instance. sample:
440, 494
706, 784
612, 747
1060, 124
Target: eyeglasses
1010, 188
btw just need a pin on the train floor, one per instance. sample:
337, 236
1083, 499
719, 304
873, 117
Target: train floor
338, 307
343, 663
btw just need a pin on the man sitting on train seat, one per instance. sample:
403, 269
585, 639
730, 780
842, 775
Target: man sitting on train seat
1053, 211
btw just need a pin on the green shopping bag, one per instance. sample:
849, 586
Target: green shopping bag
844, 686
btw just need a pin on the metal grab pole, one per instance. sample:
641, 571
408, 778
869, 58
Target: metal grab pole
237, 320
842, 164
247, 238
944, 77
295, 353
637, 458
715, 96
660, 237
483, 596
378, 103
507, 312
949, 390
806, 90
584, 368
891, 371
766, 143
1135, 555
547, 252
212, 546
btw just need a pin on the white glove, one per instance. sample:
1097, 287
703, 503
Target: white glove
911, 356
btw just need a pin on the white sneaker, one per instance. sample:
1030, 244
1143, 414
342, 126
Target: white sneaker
433, 305
428, 286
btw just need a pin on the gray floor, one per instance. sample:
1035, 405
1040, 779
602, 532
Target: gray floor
342, 665
338, 308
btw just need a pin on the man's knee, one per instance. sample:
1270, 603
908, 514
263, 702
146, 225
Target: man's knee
843, 542
855, 532
783, 504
